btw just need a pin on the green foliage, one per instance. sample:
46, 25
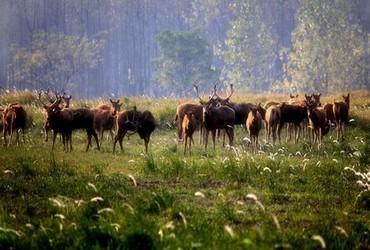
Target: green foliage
329, 51
55, 60
184, 59
249, 55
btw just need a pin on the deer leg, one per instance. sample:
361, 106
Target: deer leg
191, 139
101, 132
70, 140
17, 136
96, 139
88, 141
146, 140
214, 138
206, 139
54, 137
185, 138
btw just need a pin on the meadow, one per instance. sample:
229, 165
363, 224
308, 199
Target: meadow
287, 196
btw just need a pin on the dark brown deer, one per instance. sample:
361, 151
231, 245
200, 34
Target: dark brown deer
146, 124
135, 121
214, 118
291, 114
189, 124
66, 104
241, 109
104, 119
14, 118
340, 111
83, 118
254, 125
272, 120
61, 122
318, 123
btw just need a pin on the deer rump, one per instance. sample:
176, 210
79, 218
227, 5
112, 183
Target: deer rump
14, 118
135, 121
83, 118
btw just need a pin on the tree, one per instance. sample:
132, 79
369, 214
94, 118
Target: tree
249, 55
184, 59
55, 60
329, 50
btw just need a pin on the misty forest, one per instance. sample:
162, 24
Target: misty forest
93, 48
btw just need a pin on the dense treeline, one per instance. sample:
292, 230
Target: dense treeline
94, 47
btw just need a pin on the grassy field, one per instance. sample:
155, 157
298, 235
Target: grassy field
293, 196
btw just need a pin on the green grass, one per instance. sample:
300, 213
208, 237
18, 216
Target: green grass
287, 196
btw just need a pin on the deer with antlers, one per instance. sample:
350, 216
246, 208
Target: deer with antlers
241, 109
60, 121
220, 117
66, 104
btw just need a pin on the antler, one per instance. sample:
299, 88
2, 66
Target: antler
196, 89
232, 92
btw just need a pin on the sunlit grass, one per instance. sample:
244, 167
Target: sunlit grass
285, 196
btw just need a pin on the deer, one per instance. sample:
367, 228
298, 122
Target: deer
60, 121
189, 124
104, 118
183, 108
14, 118
241, 109
272, 120
66, 99
221, 117
318, 123
143, 123
291, 114
340, 111
254, 125
313, 100
83, 118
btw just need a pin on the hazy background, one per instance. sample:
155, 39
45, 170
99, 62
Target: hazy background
92, 48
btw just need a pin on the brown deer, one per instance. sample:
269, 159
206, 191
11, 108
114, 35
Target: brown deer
60, 121
14, 118
272, 120
291, 114
132, 120
189, 124
254, 125
318, 123
83, 118
197, 111
104, 118
66, 104
214, 118
340, 111
241, 109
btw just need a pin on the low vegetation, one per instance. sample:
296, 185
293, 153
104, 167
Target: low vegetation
295, 196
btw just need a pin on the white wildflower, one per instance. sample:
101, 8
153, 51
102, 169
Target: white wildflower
105, 210
133, 179
230, 231
199, 194
96, 199
320, 240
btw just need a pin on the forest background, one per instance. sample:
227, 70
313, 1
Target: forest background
160, 48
